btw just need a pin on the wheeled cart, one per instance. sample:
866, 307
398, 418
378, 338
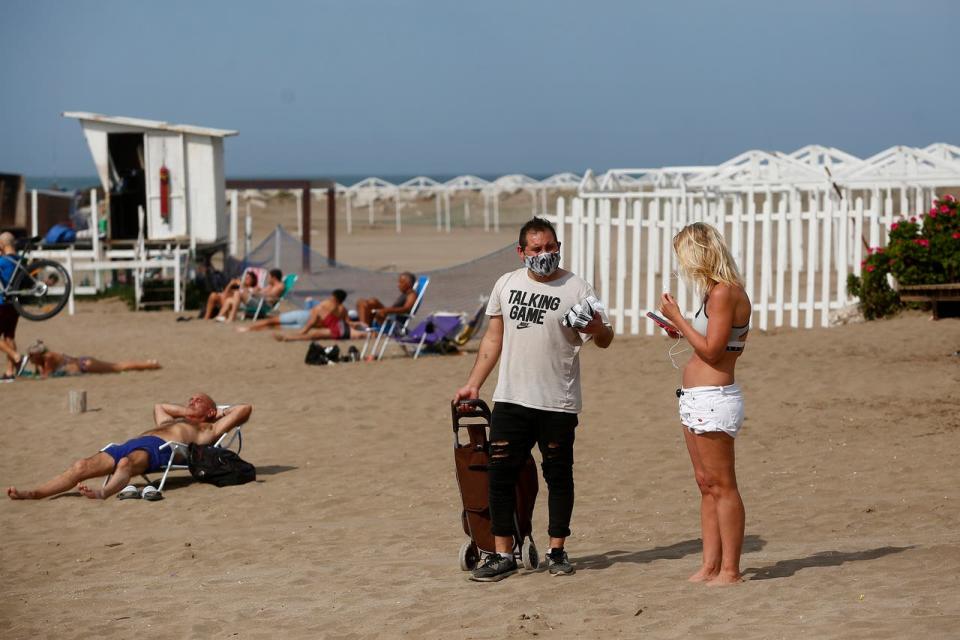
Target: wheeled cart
472, 458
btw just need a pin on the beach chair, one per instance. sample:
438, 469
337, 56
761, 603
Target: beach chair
394, 325
179, 451
438, 331
257, 310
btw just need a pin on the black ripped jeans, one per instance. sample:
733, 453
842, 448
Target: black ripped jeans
513, 431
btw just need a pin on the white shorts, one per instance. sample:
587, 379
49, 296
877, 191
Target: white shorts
712, 409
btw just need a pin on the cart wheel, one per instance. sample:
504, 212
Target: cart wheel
529, 555
468, 556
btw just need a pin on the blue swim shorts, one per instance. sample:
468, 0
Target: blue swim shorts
151, 444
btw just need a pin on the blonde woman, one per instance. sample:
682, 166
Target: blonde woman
711, 403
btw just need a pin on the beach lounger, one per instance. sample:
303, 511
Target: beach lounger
394, 325
179, 451
438, 331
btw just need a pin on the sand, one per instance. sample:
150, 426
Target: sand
847, 465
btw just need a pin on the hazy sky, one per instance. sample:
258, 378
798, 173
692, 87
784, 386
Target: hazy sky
389, 87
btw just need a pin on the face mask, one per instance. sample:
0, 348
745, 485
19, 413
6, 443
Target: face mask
543, 264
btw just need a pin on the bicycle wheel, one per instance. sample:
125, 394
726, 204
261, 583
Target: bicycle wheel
41, 292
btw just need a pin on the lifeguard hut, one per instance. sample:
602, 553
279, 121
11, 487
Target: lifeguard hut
173, 172
165, 202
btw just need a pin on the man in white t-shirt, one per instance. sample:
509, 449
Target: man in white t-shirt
538, 390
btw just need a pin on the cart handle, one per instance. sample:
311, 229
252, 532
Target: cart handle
468, 409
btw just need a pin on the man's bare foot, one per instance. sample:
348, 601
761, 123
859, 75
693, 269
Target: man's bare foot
242, 329
279, 337
93, 494
704, 575
13, 494
154, 363
723, 578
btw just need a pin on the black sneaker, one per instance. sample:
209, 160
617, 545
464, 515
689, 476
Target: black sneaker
560, 563
495, 568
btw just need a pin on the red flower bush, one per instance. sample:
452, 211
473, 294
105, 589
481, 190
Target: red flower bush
919, 251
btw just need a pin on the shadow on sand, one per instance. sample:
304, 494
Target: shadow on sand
674, 551
786, 568
182, 480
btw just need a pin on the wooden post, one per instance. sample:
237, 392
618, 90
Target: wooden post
781, 258
70, 302
621, 271
77, 401
796, 256
305, 227
591, 242
653, 237
177, 280
562, 232
95, 238
234, 197
606, 257
635, 267
436, 198
332, 225
811, 265
396, 209
766, 261
34, 214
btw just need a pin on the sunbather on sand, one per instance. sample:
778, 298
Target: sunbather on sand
328, 320
52, 363
269, 293
198, 422
218, 299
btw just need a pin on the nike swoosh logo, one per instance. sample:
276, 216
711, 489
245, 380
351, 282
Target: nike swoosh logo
523, 325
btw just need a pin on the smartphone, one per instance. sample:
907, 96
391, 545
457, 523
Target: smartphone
662, 322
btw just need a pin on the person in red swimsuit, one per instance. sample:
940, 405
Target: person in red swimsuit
328, 320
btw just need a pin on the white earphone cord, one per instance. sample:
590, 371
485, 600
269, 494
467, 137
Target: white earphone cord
673, 353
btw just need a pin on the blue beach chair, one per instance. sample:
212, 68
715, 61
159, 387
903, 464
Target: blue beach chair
394, 325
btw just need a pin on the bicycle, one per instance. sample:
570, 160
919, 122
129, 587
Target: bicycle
38, 289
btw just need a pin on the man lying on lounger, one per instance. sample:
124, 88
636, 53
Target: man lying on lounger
199, 422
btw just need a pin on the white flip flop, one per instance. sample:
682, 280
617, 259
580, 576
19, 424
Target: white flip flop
129, 492
151, 493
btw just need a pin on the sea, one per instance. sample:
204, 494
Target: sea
73, 183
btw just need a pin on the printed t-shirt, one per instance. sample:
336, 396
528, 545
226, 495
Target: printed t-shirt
540, 358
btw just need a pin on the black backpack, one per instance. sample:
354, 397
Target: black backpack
319, 354
219, 466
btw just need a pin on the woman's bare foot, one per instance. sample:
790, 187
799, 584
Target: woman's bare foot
13, 494
724, 578
154, 364
705, 574
93, 494
242, 329
279, 337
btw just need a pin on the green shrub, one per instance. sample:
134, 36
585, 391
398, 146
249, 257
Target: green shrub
915, 254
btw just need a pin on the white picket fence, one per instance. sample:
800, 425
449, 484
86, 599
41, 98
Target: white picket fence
794, 248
